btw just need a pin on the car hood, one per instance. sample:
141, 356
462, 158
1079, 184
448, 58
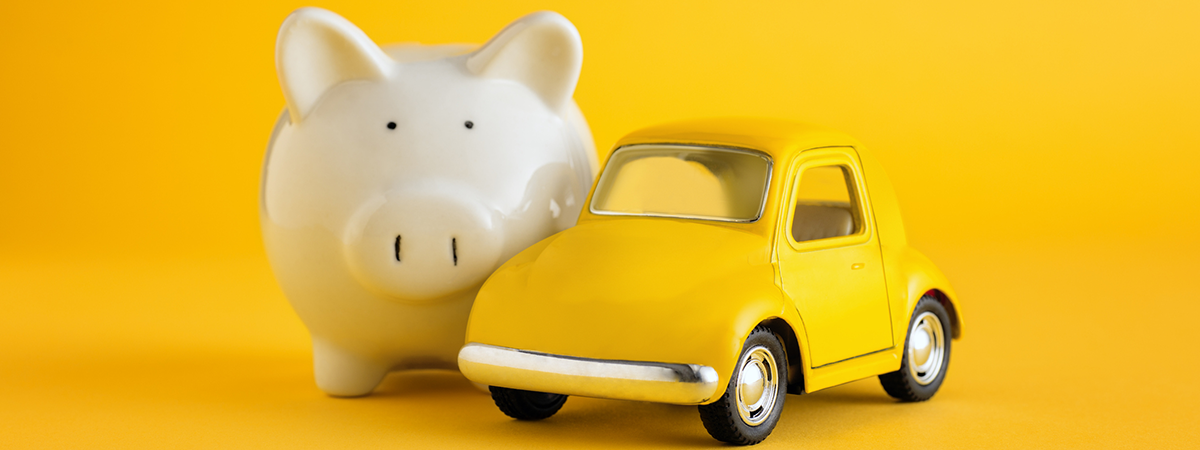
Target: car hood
605, 289
639, 260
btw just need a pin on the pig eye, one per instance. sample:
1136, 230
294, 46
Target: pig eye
391, 125
469, 124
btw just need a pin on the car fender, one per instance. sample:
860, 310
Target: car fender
917, 276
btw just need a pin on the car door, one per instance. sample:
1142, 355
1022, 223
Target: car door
829, 258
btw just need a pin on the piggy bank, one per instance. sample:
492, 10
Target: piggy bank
400, 177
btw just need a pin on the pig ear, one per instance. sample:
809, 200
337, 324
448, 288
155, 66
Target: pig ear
317, 50
542, 51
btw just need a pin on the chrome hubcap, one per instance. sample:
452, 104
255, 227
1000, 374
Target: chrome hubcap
926, 348
757, 385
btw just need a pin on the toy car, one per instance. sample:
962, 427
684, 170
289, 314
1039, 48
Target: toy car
721, 263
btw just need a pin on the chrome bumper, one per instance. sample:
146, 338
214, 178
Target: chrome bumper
688, 384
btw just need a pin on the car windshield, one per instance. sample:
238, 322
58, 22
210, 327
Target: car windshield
708, 183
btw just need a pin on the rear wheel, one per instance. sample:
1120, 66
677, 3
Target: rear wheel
926, 354
752, 402
526, 405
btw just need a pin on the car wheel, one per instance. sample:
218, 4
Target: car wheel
752, 402
526, 405
926, 354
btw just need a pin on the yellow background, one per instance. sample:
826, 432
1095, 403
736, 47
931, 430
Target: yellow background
1045, 155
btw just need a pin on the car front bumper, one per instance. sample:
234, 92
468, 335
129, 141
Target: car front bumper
688, 384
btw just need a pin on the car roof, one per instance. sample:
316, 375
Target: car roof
778, 138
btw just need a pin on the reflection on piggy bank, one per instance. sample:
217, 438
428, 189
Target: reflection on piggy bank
398, 179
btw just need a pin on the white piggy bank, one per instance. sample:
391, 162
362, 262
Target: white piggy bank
398, 179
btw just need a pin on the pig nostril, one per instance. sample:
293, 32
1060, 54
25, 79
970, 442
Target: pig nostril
397, 248
454, 249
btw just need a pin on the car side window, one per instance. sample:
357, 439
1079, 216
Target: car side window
826, 206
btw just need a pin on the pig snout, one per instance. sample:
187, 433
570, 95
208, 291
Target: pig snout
420, 246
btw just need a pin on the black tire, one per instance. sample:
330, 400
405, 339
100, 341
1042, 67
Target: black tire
526, 405
722, 418
907, 384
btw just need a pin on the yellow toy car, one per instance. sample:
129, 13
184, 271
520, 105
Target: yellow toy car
720, 263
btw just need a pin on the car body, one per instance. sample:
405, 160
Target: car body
655, 306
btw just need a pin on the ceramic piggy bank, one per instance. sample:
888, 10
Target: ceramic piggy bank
399, 178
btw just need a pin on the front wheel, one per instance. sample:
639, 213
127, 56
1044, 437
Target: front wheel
752, 402
526, 405
926, 354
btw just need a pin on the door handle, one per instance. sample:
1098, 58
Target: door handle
857, 266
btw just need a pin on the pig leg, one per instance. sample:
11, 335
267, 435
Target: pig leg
343, 374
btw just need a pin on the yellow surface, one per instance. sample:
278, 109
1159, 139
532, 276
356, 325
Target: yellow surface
1044, 155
